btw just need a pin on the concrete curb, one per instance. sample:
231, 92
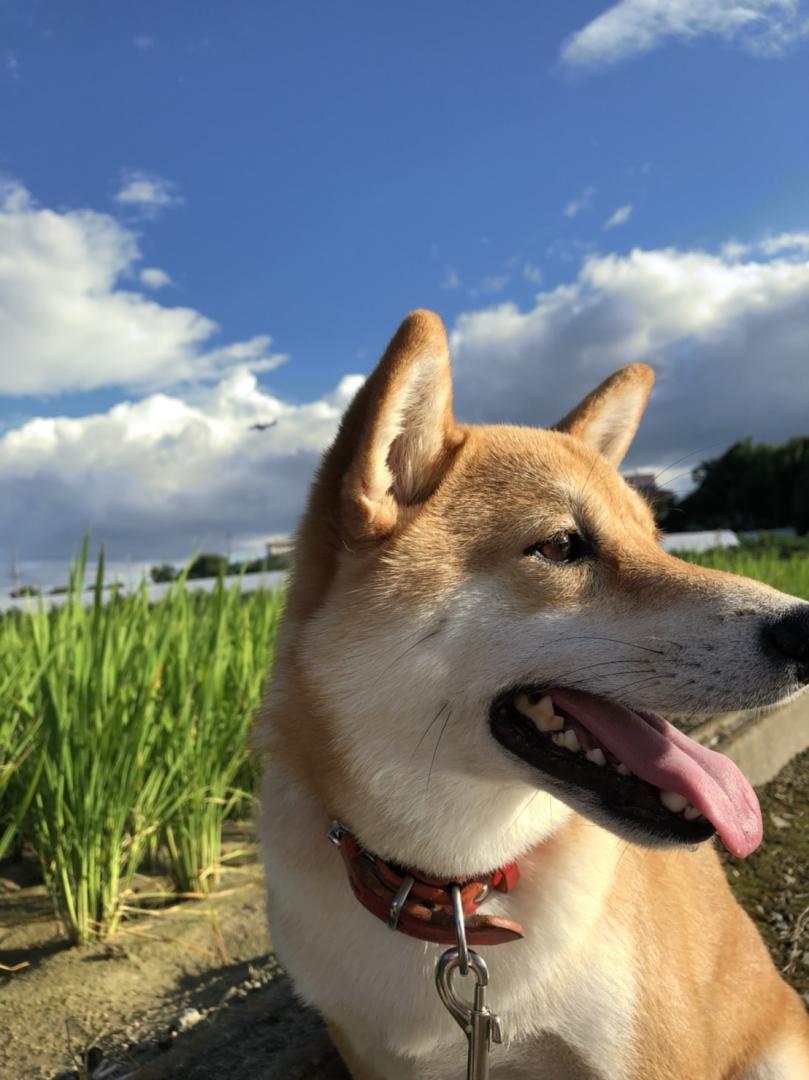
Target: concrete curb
761, 744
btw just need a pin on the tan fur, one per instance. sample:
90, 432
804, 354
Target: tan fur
407, 509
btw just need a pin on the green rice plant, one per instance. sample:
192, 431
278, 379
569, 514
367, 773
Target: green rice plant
124, 728
20, 759
789, 572
100, 791
221, 651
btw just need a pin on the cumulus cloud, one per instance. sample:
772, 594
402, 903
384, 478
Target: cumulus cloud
762, 27
728, 339
582, 202
157, 477
68, 323
202, 451
154, 277
619, 217
774, 245
146, 193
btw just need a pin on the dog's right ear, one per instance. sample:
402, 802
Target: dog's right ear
403, 430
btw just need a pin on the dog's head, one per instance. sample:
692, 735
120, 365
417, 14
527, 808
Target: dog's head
483, 631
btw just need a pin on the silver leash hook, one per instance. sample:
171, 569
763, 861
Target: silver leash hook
459, 919
481, 1027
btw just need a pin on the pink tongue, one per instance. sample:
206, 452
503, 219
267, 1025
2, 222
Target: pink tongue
660, 754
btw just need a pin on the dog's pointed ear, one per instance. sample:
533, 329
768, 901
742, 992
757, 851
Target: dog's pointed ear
608, 417
407, 432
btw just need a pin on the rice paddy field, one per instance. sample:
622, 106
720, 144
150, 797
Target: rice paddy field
123, 730
126, 784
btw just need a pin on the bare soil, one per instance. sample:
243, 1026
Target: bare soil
189, 991
193, 990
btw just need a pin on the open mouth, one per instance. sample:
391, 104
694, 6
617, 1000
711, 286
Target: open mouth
631, 770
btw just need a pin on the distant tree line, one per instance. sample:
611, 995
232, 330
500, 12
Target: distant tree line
749, 487
209, 565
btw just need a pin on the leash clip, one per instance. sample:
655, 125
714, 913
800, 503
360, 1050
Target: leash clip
481, 1026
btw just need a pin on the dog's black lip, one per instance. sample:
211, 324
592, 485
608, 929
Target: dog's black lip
626, 800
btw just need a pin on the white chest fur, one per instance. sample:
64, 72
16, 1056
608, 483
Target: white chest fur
570, 981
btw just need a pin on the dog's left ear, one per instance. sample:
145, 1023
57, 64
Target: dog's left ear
407, 433
608, 417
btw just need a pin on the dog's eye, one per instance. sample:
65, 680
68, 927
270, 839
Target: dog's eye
564, 547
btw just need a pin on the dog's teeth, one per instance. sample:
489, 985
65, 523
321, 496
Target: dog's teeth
571, 740
543, 707
523, 704
558, 739
549, 723
673, 801
540, 712
621, 769
596, 756
691, 813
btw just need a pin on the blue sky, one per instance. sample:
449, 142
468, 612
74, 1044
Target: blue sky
310, 172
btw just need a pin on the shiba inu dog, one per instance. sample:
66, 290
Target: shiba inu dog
481, 636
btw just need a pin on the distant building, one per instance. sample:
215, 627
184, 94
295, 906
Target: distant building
279, 545
700, 541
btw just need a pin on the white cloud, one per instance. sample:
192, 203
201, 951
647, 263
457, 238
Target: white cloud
733, 250
12, 65
494, 283
795, 242
147, 193
157, 477
630, 27
67, 323
451, 280
583, 202
774, 245
154, 277
532, 273
727, 338
143, 42
619, 216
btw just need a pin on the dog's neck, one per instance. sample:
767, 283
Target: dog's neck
462, 830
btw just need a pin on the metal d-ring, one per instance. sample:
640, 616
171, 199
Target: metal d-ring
399, 900
460, 929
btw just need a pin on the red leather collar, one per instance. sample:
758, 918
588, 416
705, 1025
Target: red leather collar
421, 906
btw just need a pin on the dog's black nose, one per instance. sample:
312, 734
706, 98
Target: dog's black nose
790, 638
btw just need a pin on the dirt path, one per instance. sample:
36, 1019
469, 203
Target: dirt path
190, 991
194, 992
